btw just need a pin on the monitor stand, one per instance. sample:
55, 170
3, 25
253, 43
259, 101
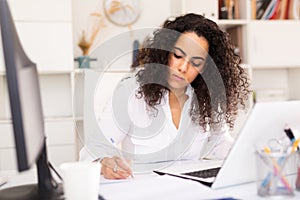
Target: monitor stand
45, 188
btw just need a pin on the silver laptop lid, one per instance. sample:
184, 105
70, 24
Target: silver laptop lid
265, 122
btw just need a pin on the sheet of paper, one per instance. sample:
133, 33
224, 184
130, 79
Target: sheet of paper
136, 177
154, 187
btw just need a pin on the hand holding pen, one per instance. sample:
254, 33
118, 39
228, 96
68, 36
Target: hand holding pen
115, 168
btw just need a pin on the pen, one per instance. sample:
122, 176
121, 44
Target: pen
291, 136
120, 154
295, 145
289, 133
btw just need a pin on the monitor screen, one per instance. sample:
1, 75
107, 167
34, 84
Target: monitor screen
26, 112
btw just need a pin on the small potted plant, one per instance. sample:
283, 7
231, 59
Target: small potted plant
87, 39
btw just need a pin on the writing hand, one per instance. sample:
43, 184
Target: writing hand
115, 168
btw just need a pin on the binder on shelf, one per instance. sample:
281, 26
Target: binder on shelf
261, 7
280, 10
271, 10
223, 12
275, 9
294, 9
236, 9
284, 9
253, 9
230, 8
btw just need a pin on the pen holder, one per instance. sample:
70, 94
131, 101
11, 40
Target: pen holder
276, 174
298, 171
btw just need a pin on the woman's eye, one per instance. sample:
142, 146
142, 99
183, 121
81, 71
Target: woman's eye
177, 55
196, 64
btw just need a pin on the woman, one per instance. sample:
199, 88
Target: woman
188, 88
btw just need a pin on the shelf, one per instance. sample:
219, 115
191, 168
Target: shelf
53, 119
81, 71
5, 121
269, 51
46, 72
54, 72
77, 119
47, 119
226, 23
276, 67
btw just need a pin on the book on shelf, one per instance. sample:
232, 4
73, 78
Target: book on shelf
253, 9
293, 9
229, 9
280, 10
236, 9
271, 11
275, 9
261, 7
284, 9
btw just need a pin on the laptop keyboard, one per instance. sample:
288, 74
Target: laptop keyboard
207, 173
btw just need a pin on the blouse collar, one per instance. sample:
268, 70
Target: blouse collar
189, 92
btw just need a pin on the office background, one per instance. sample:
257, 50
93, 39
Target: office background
50, 30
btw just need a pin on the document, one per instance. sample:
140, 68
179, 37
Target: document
129, 179
153, 186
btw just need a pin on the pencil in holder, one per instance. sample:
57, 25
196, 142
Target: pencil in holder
276, 173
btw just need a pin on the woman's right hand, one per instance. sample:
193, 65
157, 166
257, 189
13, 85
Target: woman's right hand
115, 168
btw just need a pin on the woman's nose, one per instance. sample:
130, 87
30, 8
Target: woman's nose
183, 66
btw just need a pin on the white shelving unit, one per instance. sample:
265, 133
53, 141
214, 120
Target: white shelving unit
270, 48
45, 31
85, 81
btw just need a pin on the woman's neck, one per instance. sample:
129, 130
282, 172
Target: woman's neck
177, 94
176, 102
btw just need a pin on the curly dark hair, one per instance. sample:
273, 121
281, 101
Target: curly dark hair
213, 101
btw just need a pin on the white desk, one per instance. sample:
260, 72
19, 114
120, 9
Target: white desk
153, 186
168, 187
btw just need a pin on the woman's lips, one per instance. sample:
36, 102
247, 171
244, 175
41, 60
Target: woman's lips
179, 78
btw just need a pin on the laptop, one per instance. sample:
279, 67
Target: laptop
265, 121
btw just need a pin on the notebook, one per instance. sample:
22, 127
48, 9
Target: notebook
266, 121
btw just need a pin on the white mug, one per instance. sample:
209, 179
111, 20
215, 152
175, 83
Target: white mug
81, 180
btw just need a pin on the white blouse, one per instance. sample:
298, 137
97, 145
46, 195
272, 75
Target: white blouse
146, 135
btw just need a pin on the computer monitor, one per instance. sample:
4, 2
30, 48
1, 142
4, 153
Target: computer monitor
27, 115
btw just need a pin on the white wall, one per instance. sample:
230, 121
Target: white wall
45, 32
153, 13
